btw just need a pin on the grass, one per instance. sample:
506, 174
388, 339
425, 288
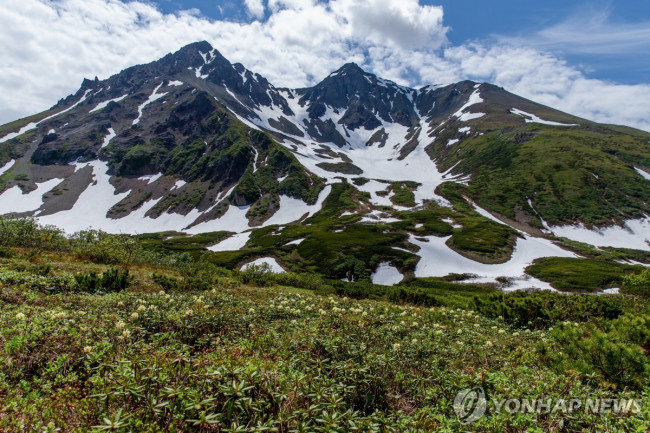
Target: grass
584, 275
484, 238
17, 124
569, 175
168, 242
403, 193
605, 253
235, 357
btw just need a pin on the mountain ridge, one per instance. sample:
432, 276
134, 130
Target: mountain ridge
195, 143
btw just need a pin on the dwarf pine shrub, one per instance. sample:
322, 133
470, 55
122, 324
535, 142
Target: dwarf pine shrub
614, 352
111, 280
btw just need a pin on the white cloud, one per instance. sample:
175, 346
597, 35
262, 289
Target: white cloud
47, 47
255, 8
590, 32
404, 23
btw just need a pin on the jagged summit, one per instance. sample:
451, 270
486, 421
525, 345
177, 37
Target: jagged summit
350, 68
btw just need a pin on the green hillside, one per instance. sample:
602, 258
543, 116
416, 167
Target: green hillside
99, 335
574, 174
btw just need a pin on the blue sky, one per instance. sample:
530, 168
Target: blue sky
588, 58
470, 19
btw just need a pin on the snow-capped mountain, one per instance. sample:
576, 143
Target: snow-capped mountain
194, 143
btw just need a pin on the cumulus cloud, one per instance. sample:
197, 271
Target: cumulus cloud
255, 8
405, 24
48, 47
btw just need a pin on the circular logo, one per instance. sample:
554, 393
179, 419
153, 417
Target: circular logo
470, 405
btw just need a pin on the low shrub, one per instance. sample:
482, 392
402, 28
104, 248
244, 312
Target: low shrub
580, 275
101, 247
112, 280
615, 352
256, 274
543, 309
637, 284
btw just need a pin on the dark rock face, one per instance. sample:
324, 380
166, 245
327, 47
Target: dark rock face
364, 99
174, 100
441, 102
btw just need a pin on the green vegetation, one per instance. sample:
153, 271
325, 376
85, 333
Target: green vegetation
614, 352
429, 221
111, 280
570, 175
484, 238
166, 242
340, 167
191, 347
342, 197
17, 124
542, 309
403, 193
138, 158
586, 275
21, 177
605, 253
637, 284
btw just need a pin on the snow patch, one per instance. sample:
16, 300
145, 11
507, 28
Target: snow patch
5, 168
378, 217
103, 105
234, 220
529, 118
452, 142
14, 198
452, 223
386, 274
438, 260
292, 209
92, 205
373, 187
107, 139
151, 178
645, 174
175, 83
486, 214
295, 241
474, 98
233, 243
634, 234
273, 263
257, 155
153, 97
466, 117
